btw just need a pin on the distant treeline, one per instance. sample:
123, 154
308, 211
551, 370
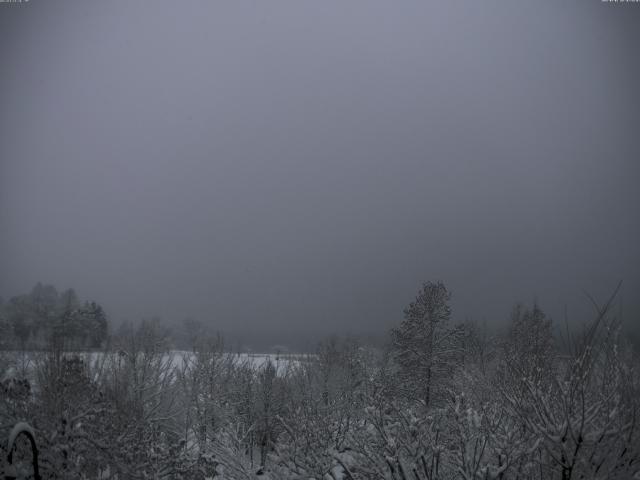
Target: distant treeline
45, 316
34, 320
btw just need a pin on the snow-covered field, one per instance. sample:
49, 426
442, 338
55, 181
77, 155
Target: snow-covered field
257, 360
16, 364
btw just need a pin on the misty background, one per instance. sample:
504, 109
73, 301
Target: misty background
301, 167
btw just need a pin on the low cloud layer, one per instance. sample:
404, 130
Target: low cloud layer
299, 166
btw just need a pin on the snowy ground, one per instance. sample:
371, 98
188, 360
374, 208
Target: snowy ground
20, 364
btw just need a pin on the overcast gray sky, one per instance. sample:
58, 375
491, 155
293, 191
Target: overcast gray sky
306, 165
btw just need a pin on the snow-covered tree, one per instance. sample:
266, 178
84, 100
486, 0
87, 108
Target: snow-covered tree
583, 420
425, 347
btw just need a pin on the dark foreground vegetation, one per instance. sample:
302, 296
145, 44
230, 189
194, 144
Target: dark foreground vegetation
440, 401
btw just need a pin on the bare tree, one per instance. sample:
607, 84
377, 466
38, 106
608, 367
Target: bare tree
583, 422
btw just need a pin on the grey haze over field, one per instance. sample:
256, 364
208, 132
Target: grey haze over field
304, 166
